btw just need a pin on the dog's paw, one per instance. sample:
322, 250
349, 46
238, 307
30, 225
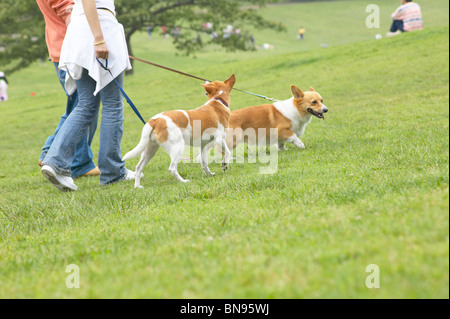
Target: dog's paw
208, 172
300, 146
139, 187
225, 166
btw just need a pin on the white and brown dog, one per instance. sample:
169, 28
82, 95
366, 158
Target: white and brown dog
290, 117
200, 127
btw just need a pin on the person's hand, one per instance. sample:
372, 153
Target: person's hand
101, 51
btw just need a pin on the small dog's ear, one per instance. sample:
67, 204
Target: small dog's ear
231, 81
298, 94
209, 88
312, 89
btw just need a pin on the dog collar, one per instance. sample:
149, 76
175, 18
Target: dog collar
222, 101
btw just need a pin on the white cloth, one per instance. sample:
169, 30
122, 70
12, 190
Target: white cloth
78, 50
3, 88
107, 4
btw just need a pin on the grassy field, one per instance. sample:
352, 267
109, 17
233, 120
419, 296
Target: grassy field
331, 23
372, 187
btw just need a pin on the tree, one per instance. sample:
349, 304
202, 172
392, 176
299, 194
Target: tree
22, 34
22, 25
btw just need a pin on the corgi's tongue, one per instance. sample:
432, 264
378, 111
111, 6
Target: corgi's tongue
316, 114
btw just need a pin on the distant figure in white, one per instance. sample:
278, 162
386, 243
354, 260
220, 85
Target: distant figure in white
3, 87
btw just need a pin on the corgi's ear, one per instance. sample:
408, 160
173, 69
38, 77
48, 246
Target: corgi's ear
312, 89
231, 81
298, 94
209, 88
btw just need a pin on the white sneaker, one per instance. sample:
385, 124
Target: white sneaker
61, 182
393, 34
130, 175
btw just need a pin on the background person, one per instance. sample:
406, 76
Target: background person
57, 16
149, 31
301, 33
93, 35
3, 87
408, 17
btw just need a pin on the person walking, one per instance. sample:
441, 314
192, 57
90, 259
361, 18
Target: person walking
94, 40
57, 15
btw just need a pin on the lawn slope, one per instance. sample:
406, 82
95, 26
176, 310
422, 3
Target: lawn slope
371, 188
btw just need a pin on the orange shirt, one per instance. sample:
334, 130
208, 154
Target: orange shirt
55, 14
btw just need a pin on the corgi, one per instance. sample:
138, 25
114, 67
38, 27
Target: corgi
200, 127
290, 117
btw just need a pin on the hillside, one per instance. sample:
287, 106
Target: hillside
372, 187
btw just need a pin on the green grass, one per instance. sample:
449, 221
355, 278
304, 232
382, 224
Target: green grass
332, 23
372, 187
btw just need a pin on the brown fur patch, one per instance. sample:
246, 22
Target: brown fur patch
255, 117
160, 131
267, 116
306, 102
210, 115
178, 118
263, 116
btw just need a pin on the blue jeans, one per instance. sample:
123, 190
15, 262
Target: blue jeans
62, 151
83, 160
397, 25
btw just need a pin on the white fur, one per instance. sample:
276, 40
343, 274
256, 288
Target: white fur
174, 146
221, 103
145, 139
187, 132
298, 122
209, 101
289, 111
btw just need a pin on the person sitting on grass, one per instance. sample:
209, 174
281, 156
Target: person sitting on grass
408, 17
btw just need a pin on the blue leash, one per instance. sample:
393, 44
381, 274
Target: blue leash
123, 92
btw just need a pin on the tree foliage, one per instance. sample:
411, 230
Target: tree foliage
22, 34
22, 25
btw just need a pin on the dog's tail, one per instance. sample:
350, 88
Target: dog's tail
145, 139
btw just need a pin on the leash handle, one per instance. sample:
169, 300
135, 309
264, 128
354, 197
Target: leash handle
105, 67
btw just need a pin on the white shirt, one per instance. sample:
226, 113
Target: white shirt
78, 50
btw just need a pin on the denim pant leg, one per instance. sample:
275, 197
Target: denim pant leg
110, 155
62, 151
71, 103
83, 160
397, 25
